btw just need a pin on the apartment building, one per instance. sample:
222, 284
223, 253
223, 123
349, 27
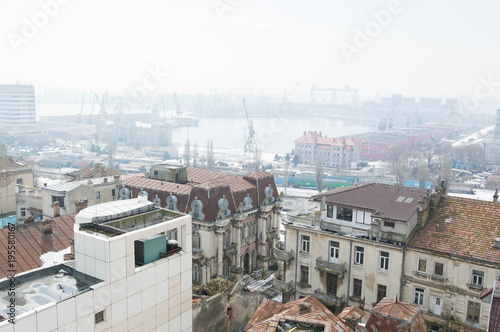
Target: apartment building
64, 198
125, 276
17, 109
451, 261
235, 218
13, 173
351, 251
337, 152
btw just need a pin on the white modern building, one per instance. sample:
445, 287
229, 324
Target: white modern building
17, 108
125, 276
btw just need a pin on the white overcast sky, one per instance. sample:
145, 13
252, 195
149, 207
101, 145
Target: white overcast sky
429, 48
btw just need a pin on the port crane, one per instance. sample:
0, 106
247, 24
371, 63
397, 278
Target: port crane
250, 142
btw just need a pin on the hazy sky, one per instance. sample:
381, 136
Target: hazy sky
423, 48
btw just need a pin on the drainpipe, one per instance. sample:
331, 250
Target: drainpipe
349, 275
296, 264
402, 274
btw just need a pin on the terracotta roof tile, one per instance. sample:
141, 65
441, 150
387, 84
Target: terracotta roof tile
462, 227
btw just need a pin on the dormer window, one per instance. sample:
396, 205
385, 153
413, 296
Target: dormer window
344, 213
329, 211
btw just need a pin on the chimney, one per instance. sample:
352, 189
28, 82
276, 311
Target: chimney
105, 180
45, 184
103, 173
47, 226
116, 178
495, 196
320, 133
72, 246
90, 183
57, 209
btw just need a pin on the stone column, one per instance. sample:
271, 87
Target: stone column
220, 252
237, 228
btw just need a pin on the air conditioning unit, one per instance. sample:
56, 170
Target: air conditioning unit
148, 250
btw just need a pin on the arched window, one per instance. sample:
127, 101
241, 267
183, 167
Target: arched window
157, 201
196, 239
197, 209
247, 202
143, 193
124, 193
269, 194
172, 202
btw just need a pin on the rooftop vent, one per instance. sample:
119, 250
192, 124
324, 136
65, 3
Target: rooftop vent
497, 243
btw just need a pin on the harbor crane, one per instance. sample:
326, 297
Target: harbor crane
250, 142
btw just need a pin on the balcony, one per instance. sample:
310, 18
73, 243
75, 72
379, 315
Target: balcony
329, 299
197, 253
230, 249
282, 285
335, 268
280, 253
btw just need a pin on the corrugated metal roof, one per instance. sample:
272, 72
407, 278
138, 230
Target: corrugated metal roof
386, 201
68, 186
393, 316
139, 181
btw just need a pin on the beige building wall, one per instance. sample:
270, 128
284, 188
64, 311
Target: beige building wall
8, 180
451, 294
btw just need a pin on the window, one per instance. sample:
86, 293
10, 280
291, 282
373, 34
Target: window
331, 284
97, 194
242, 232
389, 224
360, 255
384, 260
329, 211
113, 192
19, 181
306, 243
381, 292
196, 210
477, 278
422, 266
304, 274
439, 269
99, 317
172, 234
344, 213
196, 273
357, 287
196, 241
23, 212
473, 310
334, 249
58, 199
419, 296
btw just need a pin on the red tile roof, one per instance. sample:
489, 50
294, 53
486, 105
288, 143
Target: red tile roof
385, 201
268, 309
463, 227
393, 316
31, 243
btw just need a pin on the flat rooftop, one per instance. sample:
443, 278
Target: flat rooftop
49, 285
118, 217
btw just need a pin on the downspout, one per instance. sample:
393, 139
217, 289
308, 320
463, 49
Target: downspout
402, 274
349, 274
296, 264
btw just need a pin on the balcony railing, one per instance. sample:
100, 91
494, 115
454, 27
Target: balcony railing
282, 285
329, 299
335, 268
280, 253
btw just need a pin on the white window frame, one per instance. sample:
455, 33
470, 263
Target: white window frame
477, 278
384, 261
359, 256
306, 243
418, 265
419, 296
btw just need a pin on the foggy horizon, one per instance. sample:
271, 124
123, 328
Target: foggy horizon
418, 49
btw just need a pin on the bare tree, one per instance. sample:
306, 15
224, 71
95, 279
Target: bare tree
195, 154
445, 172
210, 155
320, 171
187, 153
400, 169
423, 172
